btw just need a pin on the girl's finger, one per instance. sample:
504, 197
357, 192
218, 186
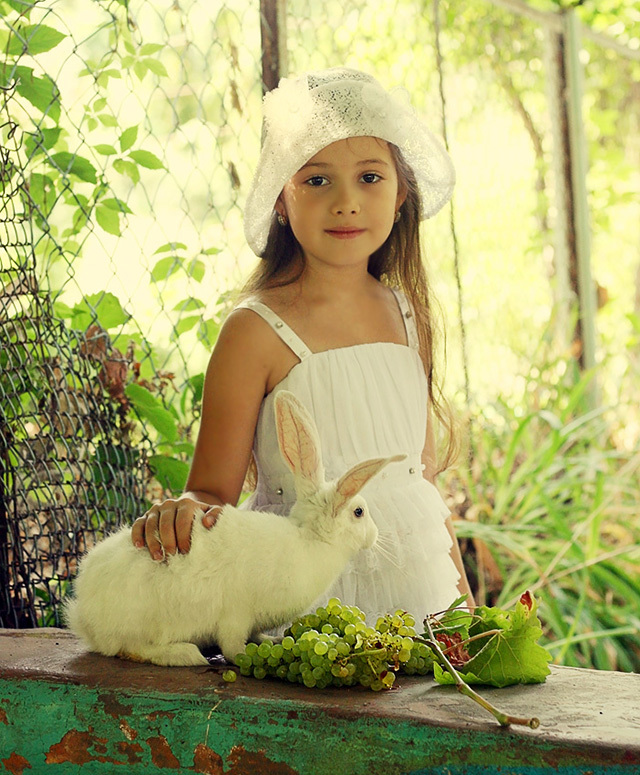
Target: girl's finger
183, 526
209, 519
167, 528
137, 532
151, 537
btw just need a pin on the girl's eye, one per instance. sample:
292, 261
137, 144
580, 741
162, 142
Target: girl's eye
367, 177
316, 181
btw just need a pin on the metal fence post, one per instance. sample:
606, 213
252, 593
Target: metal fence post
573, 264
578, 150
273, 41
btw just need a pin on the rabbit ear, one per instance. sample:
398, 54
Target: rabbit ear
350, 484
299, 442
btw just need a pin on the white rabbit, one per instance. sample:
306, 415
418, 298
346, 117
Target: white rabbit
252, 571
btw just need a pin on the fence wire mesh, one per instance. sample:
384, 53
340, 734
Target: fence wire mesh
130, 131
68, 468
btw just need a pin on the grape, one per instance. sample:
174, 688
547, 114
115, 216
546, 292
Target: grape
334, 646
229, 676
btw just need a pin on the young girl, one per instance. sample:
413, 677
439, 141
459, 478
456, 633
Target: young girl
338, 312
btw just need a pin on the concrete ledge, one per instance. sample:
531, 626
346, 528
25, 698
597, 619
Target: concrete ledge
64, 710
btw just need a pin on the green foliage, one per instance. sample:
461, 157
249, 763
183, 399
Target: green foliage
505, 650
550, 506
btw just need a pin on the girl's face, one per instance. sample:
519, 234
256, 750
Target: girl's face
341, 204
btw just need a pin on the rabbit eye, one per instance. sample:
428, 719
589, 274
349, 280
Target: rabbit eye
359, 511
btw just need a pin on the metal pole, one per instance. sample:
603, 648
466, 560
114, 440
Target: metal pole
578, 149
274, 42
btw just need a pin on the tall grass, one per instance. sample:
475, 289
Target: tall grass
549, 502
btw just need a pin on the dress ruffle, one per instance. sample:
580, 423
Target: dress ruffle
368, 401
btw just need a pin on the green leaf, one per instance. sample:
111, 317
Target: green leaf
512, 655
146, 159
116, 204
170, 472
196, 270
208, 331
189, 304
23, 7
128, 138
42, 93
197, 385
71, 164
105, 150
125, 167
184, 324
42, 191
156, 67
165, 267
44, 139
105, 307
140, 68
33, 39
150, 48
107, 119
150, 408
62, 310
108, 219
170, 246
211, 251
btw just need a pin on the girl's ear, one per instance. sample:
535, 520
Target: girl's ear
279, 206
402, 193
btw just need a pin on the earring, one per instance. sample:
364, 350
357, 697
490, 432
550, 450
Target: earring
282, 220
398, 216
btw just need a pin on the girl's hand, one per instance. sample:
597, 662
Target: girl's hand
166, 527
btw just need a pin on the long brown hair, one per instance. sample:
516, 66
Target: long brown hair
397, 263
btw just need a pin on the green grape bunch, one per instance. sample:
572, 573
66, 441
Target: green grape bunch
335, 647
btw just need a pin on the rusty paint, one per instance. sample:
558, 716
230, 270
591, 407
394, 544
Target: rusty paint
73, 748
245, 762
131, 751
157, 714
3, 716
112, 705
161, 753
16, 764
206, 761
127, 731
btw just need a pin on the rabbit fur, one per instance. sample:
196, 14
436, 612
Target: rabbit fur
252, 571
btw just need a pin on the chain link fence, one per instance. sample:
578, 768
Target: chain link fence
130, 131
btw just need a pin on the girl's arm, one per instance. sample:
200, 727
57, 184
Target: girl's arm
429, 460
235, 384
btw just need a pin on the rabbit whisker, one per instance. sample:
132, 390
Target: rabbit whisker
382, 549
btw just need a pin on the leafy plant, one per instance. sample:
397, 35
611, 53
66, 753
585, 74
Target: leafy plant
550, 505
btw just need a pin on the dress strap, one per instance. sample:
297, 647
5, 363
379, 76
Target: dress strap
287, 334
409, 319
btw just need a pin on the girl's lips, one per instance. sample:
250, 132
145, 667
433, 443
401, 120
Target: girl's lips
345, 233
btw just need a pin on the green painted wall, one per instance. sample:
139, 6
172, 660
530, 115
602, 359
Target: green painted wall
63, 728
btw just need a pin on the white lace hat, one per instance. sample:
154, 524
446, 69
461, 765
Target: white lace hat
303, 115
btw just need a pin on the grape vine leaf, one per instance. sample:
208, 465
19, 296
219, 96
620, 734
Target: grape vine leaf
511, 655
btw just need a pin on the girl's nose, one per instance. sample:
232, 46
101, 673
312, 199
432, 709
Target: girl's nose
346, 203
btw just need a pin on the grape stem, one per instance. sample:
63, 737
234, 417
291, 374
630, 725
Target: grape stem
504, 719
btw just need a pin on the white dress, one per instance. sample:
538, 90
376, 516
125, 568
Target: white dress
368, 400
